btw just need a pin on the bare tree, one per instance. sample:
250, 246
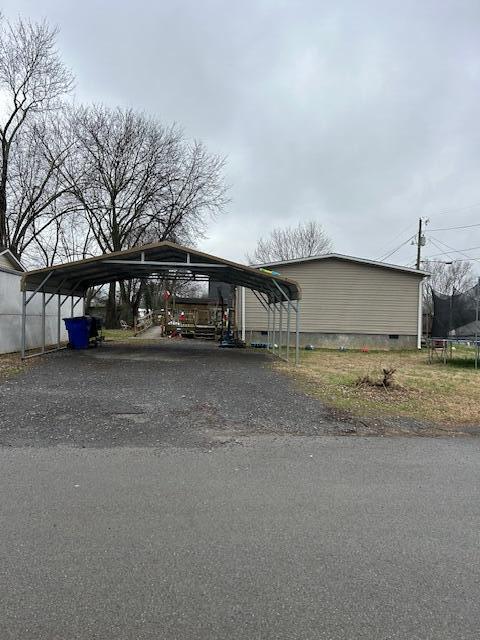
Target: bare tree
305, 240
194, 192
33, 80
67, 238
141, 182
37, 193
447, 278
126, 157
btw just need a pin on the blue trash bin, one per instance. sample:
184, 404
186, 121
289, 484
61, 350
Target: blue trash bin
78, 331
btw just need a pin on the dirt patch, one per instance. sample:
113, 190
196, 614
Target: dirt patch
11, 364
382, 395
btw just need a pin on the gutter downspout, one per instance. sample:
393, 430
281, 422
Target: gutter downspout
420, 314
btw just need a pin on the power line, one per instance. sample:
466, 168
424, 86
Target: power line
466, 226
453, 260
409, 226
437, 245
444, 253
449, 247
396, 249
443, 213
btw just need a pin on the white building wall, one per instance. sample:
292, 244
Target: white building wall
11, 316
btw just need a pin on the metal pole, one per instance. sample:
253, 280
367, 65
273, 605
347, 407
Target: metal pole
71, 306
297, 337
266, 306
273, 328
58, 319
280, 330
420, 315
268, 327
43, 321
242, 293
39, 286
24, 321
288, 331
275, 337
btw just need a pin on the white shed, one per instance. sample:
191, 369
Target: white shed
11, 270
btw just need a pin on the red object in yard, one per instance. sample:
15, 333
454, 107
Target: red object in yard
182, 317
167, 295
364, 349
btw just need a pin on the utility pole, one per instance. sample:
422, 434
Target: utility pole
420, 241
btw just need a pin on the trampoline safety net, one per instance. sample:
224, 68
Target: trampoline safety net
456, 314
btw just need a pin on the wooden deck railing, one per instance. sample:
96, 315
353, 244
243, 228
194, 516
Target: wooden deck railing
144, 323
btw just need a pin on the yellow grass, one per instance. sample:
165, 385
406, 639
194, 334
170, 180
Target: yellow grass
436, 392
118, 334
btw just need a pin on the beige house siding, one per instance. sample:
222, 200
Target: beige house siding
346, 297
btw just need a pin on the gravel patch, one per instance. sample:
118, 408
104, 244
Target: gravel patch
185, 394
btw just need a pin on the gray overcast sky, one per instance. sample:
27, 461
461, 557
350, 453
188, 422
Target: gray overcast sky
361, 115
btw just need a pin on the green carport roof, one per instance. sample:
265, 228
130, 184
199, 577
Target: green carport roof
165, 259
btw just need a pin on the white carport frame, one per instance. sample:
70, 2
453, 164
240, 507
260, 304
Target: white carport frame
71, 280
274, 331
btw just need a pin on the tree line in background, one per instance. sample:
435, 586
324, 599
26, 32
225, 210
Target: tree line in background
79, 180
288, 243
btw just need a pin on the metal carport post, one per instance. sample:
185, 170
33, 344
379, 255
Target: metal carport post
265, 304
297, 323
270, 308
25, 302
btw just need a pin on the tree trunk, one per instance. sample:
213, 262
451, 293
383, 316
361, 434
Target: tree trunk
3, 220
134, 307
111, 308
4, 240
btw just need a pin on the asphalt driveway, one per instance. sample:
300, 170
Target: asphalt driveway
217, 502
153, 393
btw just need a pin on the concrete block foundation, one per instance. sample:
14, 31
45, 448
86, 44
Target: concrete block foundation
346, 340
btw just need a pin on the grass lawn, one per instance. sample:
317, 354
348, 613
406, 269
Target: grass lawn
436, 392
118, 334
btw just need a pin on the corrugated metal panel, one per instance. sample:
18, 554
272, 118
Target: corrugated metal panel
143, 261
341, 297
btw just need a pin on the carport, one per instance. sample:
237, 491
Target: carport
279, 296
